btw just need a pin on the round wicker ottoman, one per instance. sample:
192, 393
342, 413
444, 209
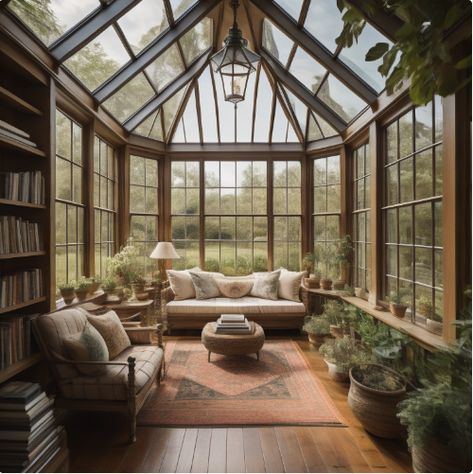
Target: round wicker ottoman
232, 344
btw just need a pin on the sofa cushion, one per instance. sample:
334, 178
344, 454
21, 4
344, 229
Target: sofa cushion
245, 305
181, 283
112, 385
289, 285
266, 285
234, 287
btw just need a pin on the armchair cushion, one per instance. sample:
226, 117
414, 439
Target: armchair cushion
112, 384
111, 329
87, 345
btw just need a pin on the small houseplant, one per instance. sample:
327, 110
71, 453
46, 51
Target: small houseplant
82, 288
433, 320
138, 287
341, 355
397, 304
67, 291
95, 283
343, 255
309, 263
333, 313
327, 258
317, 329
123, 266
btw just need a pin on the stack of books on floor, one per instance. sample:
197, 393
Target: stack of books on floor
10, 131
29, 437
233, 324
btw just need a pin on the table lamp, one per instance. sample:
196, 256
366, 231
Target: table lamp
162, 252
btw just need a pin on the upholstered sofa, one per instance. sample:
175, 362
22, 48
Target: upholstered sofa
123, 382
271, 314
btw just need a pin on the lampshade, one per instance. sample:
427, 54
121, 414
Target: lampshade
164, 250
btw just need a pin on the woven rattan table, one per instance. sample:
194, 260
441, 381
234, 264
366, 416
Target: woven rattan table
232, 344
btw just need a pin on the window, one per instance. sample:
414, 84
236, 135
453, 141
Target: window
287, 214
236, 223
327, 211
185, 210
69, 199
144, 208
413, 211
105, 207
361, 217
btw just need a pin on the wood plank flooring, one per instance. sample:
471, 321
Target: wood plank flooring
98, 443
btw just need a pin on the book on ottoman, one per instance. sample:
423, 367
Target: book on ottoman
233, 324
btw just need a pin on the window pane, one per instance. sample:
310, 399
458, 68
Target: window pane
276, 42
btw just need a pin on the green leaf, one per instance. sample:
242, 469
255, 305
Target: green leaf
452, 16
378, 50
388, 61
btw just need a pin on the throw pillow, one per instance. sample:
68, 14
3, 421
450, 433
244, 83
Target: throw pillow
205, 285
266, 285
289, 285
181, 283
234, 287
111, 329
87, 345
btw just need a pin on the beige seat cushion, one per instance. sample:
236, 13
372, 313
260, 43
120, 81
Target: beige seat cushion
244, 305
111, 329
112, 385
289, 285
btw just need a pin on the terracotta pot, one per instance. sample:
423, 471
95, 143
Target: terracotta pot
326, 283
138, 287
142, 296
316, 340
360, 292
111, 296
398, 310
337, 374
94, 286
377, 409
339, 285
68, 295
434, 326
312, 283
434, 456
82, 294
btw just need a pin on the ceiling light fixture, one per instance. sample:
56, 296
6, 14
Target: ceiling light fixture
235, 62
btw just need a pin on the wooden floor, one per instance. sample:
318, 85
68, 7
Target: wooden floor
97, 443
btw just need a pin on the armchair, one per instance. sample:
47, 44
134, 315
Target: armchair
126, 380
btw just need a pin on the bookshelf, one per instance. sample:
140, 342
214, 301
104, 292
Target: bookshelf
25, 148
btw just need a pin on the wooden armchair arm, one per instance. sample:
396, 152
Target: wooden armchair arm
88, 362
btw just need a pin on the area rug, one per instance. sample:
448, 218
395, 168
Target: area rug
279, 389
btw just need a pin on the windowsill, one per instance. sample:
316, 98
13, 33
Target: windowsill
95, 298
424, 337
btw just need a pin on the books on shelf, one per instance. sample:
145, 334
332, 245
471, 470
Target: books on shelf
18, 235
233, 324
16, 340
10, 131
20, 287
26, 186
29, 436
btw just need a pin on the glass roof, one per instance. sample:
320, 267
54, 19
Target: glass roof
272, 111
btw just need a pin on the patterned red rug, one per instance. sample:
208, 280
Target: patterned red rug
279, 389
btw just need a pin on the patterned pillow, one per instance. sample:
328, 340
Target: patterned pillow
289, 285
87, 345
181, 283
205, 285
234, 287
111, 329
266, 285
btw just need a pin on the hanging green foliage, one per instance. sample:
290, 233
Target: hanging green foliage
422, 52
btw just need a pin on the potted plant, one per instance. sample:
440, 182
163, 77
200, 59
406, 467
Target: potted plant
308, 262
360, 292
82, 288
374, 394
317, 329
67, 291
95, 283
123, 266
333, 312
397, 304
341, 355
343, 255
138, 287
435, 323
327, 258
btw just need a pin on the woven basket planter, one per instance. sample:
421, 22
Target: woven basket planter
377, 409
437, 457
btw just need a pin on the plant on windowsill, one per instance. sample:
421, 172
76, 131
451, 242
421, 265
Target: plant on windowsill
123, 266
340, 316
327, 258
138, 287
67, 291
341, 355
82, 288
109, 287
398, 303
317, 329
95, 283
343, 256
433, 321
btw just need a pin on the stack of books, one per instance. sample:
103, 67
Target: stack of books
29, 437
233, 324
18, 235
27, 186
20, 287
10, 131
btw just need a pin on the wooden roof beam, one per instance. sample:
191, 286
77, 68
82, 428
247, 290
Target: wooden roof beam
317, 51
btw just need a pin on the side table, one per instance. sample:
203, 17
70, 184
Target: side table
126, 309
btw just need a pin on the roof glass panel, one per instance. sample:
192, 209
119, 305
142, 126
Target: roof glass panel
226, 112
179, 133
276, 42
197, 40
144, 23
280, 125
327, 129
245, 112
206, 91
98, 60
305, 68
293, 7
190, 121
179, 7
130, 98
165, 68
314, 132
324, 22
354, 57
340, 99
151, 127
170, 109
263, 109
49, 20
299, 108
